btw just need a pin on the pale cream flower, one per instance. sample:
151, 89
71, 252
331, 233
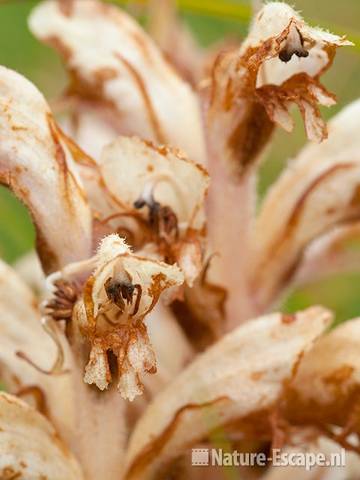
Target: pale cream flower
121, 290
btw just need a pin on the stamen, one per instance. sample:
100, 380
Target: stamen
162, 219
112, 289
294, 46
120, 292
127, 292
147, 196
138, 298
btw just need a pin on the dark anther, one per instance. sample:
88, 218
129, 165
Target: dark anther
127, 292
154, 213
140, 203
286, 54
163, 221
152, 205
121, 292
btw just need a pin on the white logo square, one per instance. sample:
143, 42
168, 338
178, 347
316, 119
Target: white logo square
200, 457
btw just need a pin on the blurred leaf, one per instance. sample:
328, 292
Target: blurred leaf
340, 293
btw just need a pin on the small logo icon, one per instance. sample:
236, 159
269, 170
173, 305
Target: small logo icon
200, 457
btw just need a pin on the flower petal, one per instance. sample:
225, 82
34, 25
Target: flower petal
30, 447
237, 378
21, 331
29, 269
318, 191
326, 387
335, 252
37, 166
176, 40
90, 129
115, 64
130, 166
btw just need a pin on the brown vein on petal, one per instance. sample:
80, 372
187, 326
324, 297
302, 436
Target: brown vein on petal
66, 7
77, 153
342, 409
142, 43
37, 394
153, 118
92, 90
166, 150
8, 473
331, 53
60, 156
89, 303
59, 45
157, 444
159, 283
294, 220
249, 138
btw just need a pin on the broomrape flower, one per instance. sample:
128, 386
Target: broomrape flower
143, 203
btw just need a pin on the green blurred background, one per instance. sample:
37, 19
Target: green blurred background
210, 21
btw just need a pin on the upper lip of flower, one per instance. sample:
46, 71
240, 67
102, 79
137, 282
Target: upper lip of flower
101, 291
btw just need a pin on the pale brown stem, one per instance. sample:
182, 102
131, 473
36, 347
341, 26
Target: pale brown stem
231, 209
